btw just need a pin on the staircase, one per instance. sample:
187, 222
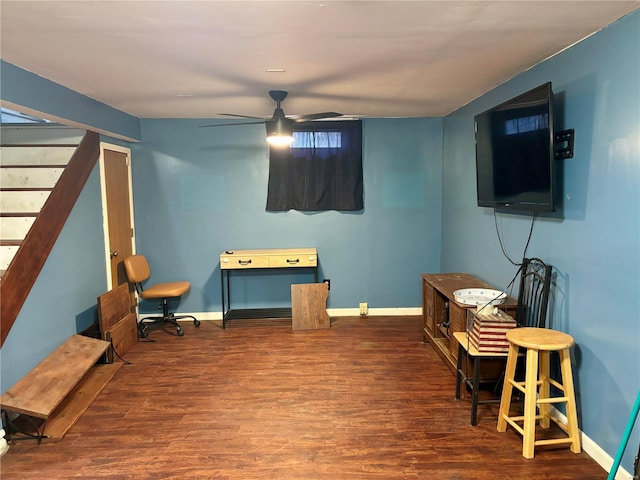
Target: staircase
42, 172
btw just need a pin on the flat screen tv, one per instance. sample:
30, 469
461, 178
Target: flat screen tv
515, 153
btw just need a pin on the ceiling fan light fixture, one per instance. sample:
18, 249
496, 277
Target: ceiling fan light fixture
280, 140
280, 132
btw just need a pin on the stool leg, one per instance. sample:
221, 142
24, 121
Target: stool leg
572, 414
544, 391
530, 387
507, 387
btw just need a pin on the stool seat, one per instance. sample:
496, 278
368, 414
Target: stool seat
539, 343
540, 338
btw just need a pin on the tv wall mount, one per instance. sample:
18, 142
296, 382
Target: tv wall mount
565, 140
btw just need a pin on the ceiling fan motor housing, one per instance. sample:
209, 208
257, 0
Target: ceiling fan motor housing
279, 126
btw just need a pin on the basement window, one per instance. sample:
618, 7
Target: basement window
317, 139
321, 171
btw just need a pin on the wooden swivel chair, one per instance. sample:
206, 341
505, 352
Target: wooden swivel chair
138, 271
531, 311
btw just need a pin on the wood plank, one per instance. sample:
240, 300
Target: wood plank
113, 306
122, 336
40, 392
309, 306
79, 399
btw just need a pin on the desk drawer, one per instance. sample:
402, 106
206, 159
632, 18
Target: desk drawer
293, 260
268, 258
243, 261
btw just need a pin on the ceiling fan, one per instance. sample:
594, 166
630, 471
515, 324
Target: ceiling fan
279, 126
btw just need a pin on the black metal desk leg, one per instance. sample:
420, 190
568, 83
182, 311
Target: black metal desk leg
224, 312
459, 371
474, 391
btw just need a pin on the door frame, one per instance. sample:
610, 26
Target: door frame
103, 193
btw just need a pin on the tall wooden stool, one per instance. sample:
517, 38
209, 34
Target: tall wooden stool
539, 342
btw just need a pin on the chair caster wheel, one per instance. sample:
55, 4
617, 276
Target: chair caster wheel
180, 333
196, 323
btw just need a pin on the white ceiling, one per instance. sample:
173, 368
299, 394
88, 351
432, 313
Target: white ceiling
195, 59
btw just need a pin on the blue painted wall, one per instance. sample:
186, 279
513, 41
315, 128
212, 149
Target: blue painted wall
200, 191
594, 246
63, 299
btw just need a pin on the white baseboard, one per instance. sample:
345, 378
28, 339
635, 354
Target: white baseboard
202, 316
590, 447
594, 450
375, 312
333, 312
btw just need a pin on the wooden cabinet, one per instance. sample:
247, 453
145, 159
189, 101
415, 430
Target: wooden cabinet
443, 315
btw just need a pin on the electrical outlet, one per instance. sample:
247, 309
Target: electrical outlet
364, 308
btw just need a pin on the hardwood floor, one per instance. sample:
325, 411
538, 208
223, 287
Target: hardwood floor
365, 399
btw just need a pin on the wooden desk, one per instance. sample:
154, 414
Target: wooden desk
238, 260
443, 315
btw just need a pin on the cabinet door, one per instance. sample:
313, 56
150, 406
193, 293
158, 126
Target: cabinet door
427, 305
457, 323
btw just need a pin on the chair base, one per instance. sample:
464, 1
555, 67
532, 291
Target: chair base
170, 318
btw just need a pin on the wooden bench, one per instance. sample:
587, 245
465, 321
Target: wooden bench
55, 393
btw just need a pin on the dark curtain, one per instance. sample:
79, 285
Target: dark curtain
324, 173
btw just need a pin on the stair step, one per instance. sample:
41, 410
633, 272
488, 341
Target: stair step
6, 255
15, 227
36, 155
27, 202
21, 177
41, 135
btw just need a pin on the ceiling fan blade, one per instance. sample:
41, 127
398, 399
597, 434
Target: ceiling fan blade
315, 116
278, 120
231, 124
242, 116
